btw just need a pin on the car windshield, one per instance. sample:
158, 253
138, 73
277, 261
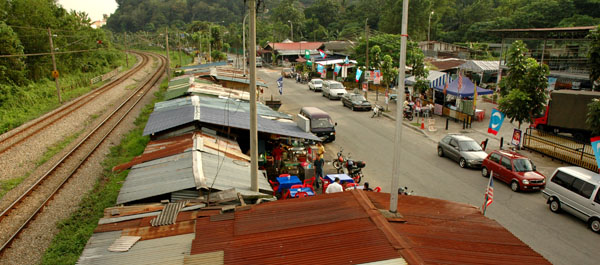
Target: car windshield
523, 165
317, 82
322, 123
336, 86
357, 98
469, 146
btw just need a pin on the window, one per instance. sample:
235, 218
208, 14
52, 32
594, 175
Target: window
582, 188
453, 143
322, 123
506, 163
495, 157
523, 165
446, 140
563, 179
469, 146
597, 199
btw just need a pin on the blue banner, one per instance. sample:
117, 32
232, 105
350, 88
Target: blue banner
346, 61
596, 147
337, 69
496, 120
358, 74
319, 68
280, 85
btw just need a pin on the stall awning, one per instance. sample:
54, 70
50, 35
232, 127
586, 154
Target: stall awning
435, 79
335, 61
467, 89
480, 66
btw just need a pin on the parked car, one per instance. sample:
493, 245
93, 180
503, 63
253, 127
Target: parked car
355, 101
576, 191
287, 72
463, 149
315, 84
333, 89
514, 169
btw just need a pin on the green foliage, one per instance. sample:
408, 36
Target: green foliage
75, 231
594, 56
389, 44
12, 69
524, 88
388, 71
593, 117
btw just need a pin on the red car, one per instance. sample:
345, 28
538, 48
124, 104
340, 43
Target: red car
514, 169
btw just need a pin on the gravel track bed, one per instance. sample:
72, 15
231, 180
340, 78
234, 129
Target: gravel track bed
22, 159
32, 243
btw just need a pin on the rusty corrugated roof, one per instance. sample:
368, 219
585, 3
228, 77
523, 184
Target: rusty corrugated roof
446, 232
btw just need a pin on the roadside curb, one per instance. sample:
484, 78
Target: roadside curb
407, 124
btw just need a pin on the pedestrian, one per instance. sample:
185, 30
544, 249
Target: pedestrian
318, 163
366, 187
277, 154
321, 151
334, 187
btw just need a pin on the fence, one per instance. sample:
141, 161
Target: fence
561, 147
106, 76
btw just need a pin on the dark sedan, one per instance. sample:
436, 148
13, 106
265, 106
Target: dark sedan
463, 149
355, 101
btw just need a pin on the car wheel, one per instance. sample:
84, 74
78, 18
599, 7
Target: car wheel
554, 205
595, 225
514, 186
462, 162
440, 152
485, 172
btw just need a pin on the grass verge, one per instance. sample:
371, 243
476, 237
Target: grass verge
67, 245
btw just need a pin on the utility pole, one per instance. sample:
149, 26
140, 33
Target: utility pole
253, 116
244, 41
398, 135
168, 57
179, 45
54, 71
367, 53
126, 51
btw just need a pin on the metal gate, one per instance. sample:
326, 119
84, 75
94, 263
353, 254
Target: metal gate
561, 147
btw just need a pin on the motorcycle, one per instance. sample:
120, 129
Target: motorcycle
337, 164
350, 167
377, 111
408, 114
404, 191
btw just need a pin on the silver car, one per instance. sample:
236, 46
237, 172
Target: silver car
315, 84
463, 149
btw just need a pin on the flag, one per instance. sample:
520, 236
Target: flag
319, 68
337, 69
489, 193
358, 73
459, 83
322, 53
475, 97
596, 147
307, 54
496, 120
346, 61
280, 85
446, 85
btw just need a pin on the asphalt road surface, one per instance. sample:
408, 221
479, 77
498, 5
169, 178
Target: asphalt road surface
560, 238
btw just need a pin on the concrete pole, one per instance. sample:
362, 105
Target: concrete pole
179, 47
54, 66
244, 42
253, 113
126, 51
168, 57
367, 54
398, 135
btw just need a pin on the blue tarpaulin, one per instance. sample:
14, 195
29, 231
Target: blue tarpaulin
466, 90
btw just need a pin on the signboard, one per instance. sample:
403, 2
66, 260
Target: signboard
55, 74
551, 83
377, 78
364, 86
368, 75
516, 139
324, 73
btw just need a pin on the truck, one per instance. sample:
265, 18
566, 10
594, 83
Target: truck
566, 112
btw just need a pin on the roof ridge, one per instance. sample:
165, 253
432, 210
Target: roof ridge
390, 233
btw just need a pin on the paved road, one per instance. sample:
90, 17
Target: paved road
562, 239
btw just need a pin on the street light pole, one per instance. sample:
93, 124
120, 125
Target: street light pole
244, 41
291, 30
399, 110
253, 96
429, 29
367, 54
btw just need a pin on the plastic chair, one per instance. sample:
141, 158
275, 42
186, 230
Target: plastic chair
297, 186
377, 189
275, 186
286, 195
350, 186
301, 194
325, 184
284, 175
309, 182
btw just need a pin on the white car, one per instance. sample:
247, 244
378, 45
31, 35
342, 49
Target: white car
333, 89
315, 84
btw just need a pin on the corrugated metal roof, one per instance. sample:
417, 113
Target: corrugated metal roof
446, 232
148, 232
218, 91
206, 65
480, 66
123, 243
280, 46
176, 93
167, 119
168, 250
209, 258
221, 104
168, 215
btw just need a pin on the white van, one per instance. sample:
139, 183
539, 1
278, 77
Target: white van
333, 89
576, 191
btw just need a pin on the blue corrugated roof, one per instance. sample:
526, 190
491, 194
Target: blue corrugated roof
200, 66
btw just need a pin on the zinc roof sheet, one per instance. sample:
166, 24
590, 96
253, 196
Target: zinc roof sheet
171, 118
167, 250
453, 233
480, 66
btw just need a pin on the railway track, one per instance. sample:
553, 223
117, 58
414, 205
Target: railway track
24, 209
23, 133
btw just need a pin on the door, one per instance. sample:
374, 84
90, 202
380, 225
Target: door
582, 198
505, 170
494, 163
453, 149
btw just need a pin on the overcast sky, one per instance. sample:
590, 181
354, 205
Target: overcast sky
94, 8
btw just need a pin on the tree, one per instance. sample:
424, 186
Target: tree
593, 117
526, 95
388, 72
594, 56
12, 69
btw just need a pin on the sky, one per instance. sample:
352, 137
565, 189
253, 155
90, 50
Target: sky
94, 8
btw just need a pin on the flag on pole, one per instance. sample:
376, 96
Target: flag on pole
596, 147
337, 69
496, 120
474, 97
489, 193
459, 82
319, 68
280, 85
446, 85
307, 54
346, 61
358, 74
322, 53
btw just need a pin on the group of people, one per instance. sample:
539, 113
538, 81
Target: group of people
418, 107
337, 187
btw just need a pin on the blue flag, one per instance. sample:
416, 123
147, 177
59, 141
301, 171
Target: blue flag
319, 68
496, 121
358, 74
337, 69
280, 85
346, 61
596, 147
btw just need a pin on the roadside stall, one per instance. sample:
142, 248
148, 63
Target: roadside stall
458, 103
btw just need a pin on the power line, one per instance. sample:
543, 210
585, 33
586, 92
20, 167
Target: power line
47, 53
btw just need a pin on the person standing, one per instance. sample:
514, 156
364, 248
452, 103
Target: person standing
277, 154
318, 163
334, 187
